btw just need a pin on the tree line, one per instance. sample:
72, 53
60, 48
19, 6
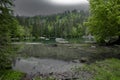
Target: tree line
66, 25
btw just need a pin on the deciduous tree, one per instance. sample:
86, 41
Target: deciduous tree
104, 21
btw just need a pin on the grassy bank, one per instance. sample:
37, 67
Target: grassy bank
108, 69
10, 75
103, 70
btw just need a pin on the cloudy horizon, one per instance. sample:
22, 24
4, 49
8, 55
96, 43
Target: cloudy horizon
45, 7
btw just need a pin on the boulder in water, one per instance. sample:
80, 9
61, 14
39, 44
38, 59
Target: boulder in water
61, 40
83, 60
54, 45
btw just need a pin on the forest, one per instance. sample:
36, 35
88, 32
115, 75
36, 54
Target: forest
96, 59
65, 25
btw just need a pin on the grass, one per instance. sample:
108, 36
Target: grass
11, 75
104, 70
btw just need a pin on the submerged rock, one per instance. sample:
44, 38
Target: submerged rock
61, 40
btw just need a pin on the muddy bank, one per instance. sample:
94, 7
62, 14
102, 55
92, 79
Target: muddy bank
35, 65
82, 75
58, 69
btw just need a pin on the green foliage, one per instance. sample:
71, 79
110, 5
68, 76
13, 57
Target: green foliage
20, 31
104, 19
11, 75
50, 30
7, 27
6, 50
74, 31
17, 30
5, 60
4, 32
76, 40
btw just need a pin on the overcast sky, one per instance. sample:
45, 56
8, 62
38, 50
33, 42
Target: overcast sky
46, 7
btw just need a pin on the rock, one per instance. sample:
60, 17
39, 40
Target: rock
42, 38
76, 61
54, 45
47, 39
83, 60
61, 40
19, 59
34, 67
93, 46
70, 47
27, 77
51, 73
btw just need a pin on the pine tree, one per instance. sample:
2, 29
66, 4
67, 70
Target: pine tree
6, 24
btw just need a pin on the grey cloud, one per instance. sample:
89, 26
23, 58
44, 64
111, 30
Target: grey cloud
39, 7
